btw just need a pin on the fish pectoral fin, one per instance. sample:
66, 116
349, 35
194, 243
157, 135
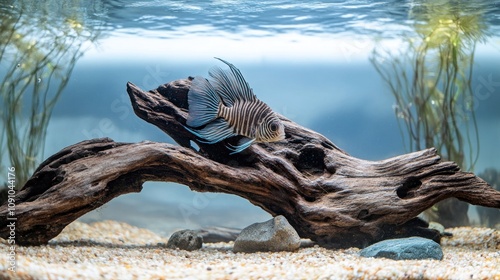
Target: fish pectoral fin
242, 145
213, 132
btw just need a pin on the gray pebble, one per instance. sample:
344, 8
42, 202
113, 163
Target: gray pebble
186, 240
274, 235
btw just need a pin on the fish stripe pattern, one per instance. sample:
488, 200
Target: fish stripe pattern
226, 107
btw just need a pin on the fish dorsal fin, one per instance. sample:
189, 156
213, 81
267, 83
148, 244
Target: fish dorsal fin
231, 85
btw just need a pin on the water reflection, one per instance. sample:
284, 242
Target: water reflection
431, 83
258, 18
267, 18
40, 42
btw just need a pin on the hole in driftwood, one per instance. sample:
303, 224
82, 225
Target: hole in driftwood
363, 214
311, 160
309, 198
408, 187
58, 179
62, 159
366, 216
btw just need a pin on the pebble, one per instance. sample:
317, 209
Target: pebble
188, 240
271, 236
411, 248
437, 226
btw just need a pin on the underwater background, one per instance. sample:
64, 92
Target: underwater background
378, 78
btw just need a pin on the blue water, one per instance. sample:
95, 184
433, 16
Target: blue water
309, 61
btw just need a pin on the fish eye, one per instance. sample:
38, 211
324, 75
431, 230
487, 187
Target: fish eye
274, 126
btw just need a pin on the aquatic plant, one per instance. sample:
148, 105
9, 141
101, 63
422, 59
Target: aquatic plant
39, 46
430, 80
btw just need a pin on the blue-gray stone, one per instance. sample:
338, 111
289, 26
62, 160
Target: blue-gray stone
412, 248
273, 236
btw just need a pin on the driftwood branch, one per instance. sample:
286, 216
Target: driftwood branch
327, 195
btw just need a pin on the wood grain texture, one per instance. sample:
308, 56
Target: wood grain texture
327, 195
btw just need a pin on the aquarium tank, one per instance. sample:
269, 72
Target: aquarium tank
378, 78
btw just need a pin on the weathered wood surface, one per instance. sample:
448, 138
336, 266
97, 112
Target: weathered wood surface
327, 195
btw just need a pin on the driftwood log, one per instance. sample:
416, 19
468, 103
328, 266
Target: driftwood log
327, 195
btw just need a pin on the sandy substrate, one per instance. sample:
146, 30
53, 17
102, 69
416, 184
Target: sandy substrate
112, 250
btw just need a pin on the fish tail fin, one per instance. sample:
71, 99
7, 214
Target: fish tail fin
203, 103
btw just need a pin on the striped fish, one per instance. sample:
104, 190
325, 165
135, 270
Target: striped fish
226, 107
